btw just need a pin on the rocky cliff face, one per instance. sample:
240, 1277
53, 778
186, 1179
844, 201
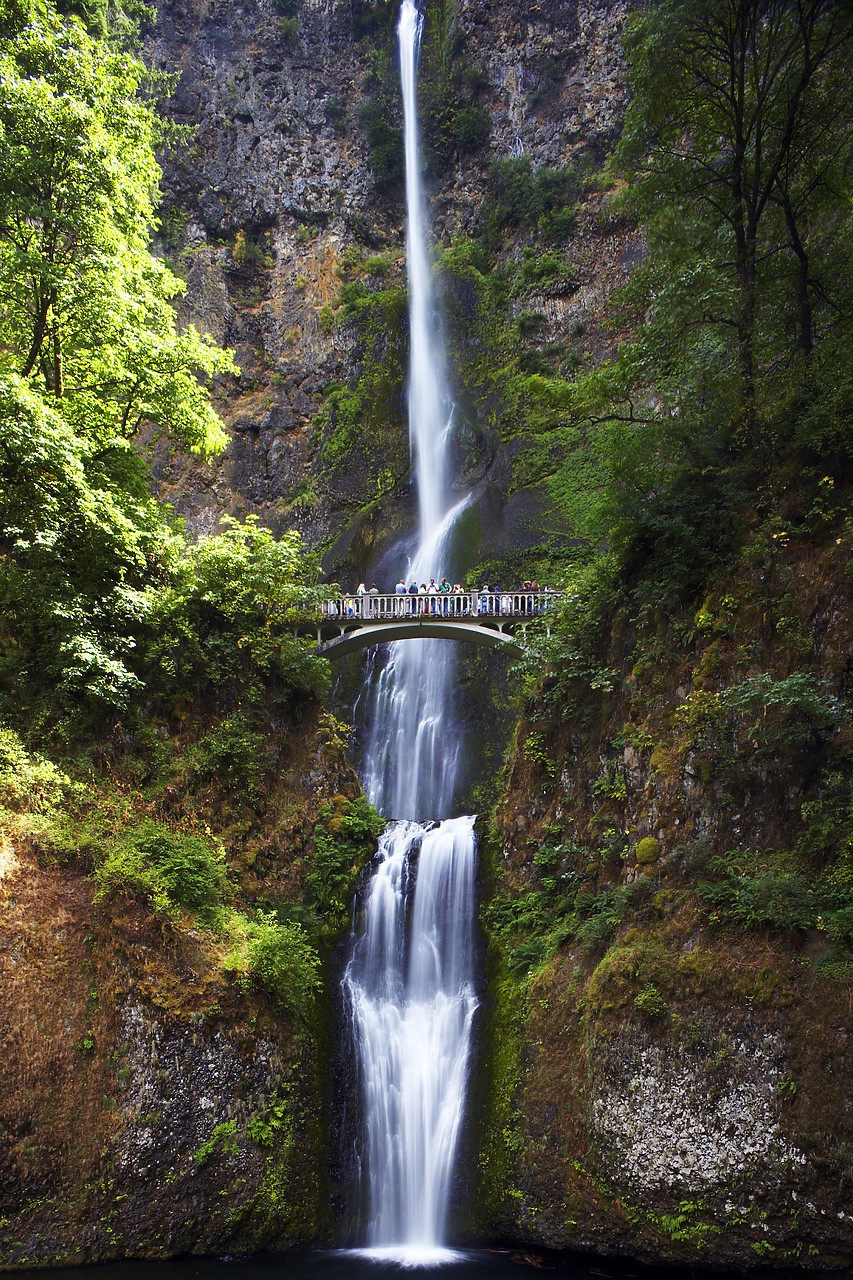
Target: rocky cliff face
680, 1080
155, 1099
276, 203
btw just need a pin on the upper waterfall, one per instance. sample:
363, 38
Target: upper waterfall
412, 743
430, 408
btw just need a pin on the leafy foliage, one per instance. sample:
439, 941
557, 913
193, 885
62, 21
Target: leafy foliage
343, 841
449, 90
29, 781
522, 195
784, 710
282, 959
80, 539
84, 308
170, 869
221, 620
234, 756
89, 350
384, 140
561, 908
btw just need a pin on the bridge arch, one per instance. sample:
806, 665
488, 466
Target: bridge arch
364, 634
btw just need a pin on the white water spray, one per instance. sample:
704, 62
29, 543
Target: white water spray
410, 979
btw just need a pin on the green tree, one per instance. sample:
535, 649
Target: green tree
740, 129
84, 310
89, 349
737, 326
81, 544
222, 621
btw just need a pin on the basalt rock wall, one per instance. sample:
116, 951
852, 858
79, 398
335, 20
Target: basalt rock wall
280, 182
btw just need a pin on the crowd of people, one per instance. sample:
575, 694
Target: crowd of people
443, 598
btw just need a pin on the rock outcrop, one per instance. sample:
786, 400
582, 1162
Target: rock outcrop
276, 186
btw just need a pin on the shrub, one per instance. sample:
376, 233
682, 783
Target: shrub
606, 911
530, 322
344, 840
235, 755
221, 622
282, 959
377, 265
351, 294
170, 869
520, 194
780, 900
471, 128
28, 782
650, 1001
384, 140
839, 928
784, 711
222, 1140
559, 226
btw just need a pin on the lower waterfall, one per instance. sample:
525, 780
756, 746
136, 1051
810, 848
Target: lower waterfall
410, 986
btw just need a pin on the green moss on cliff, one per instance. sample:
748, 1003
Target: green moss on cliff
363, 431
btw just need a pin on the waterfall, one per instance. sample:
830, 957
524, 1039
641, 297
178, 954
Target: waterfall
409, 983
413, 1004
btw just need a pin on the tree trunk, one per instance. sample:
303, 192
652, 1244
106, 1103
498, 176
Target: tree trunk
805, 328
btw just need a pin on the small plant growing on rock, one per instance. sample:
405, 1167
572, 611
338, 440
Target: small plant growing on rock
282, 959
650, 1002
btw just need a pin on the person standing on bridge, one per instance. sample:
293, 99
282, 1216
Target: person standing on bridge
400, 590
361, 592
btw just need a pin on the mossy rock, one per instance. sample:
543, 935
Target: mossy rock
647, 850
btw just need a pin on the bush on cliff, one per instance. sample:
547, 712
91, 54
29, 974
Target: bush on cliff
221, 621
282, 959
169, 869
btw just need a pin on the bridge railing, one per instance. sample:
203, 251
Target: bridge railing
461, 605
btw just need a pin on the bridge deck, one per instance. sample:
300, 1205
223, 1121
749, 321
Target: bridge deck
464, 604
489, 618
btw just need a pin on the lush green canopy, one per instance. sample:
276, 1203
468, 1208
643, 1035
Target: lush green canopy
90, 349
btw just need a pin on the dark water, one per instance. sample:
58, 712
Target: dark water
473, 1264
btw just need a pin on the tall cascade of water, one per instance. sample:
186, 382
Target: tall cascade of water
410, 980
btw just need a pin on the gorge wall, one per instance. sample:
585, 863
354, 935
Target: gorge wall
275, 206
158, 1096
675, 997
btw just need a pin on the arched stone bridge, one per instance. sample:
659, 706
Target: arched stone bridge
478, 617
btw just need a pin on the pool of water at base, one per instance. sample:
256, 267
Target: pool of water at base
359, 1264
